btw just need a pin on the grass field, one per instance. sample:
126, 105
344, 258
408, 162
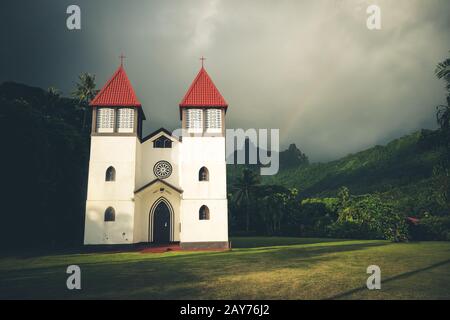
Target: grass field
256, 268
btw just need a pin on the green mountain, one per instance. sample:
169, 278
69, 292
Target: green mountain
46, 156
401, 170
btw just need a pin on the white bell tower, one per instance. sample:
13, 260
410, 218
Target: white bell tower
116, 129
204, 209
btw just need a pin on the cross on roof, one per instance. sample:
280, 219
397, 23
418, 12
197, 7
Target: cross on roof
121, 59
202, 59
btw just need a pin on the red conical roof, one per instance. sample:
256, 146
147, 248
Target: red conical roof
117, 92
203, 93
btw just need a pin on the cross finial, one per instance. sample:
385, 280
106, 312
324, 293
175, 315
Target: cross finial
121, 59
202, 59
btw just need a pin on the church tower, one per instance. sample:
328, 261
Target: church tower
116, 131
204, 211
163, 188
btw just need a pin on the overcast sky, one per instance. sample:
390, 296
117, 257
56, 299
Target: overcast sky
308, 67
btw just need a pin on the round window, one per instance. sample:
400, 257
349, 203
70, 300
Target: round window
162, 169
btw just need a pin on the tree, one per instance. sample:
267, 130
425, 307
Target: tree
441, 186
84, 92
47, 150
443, 116
245, 188
441, 171
53, 98
274, 204
343, 196
53, 93
442, 71
272, 212
443, 111
371, 216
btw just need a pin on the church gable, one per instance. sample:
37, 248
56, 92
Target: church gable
160, 134
158, 184
162, 142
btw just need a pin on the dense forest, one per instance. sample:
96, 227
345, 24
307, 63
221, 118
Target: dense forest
400, 177
45, 159
399, 191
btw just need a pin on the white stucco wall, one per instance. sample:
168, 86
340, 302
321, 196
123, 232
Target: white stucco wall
134, 163
195, 230
149, 156
98, 231
145, 200
119, 152
198, 152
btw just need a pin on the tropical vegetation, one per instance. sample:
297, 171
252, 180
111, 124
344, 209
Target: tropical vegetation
399, 191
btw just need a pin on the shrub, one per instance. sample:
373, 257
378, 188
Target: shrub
376, 219
432, 228
350, 230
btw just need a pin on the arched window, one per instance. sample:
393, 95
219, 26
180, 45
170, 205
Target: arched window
158, 143
110, 214
203, 174
203, 213
162, 142
110, 174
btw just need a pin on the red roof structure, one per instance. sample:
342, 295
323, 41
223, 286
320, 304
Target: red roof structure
203, 93
413, 220
117, 92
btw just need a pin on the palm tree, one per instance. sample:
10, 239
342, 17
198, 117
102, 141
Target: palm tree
443, 111
441, 172
273, 201
245, 188
53, 92
443, 115
443, 72
84, 92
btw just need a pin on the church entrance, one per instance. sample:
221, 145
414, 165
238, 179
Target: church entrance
161, 223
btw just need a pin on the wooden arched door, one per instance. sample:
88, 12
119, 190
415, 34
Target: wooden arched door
161, 223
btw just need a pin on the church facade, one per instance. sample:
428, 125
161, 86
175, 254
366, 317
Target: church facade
161, 188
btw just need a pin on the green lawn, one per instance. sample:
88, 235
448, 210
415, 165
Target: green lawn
256, 268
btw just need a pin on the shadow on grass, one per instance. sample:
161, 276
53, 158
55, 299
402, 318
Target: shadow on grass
387, 280
82, 249
257, 242
167, 276
237, 242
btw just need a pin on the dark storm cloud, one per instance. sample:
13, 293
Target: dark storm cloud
310, 68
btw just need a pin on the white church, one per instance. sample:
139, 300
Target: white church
160, 188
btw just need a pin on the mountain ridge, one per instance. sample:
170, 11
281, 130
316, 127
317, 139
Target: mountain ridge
402, 168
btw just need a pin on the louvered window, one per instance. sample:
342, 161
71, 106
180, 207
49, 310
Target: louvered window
213, 120
194, 120
126, 120
105, 120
